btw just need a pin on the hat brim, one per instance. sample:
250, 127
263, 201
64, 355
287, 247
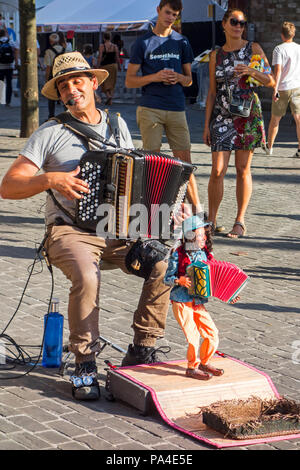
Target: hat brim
49, 90
190, 227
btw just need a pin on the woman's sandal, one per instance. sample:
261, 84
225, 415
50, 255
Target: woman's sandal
220, 229
234, 234
210, 369
217, 228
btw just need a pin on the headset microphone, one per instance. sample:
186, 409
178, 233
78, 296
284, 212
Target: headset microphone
71, 102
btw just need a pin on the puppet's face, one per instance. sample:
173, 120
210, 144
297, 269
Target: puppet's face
196, 240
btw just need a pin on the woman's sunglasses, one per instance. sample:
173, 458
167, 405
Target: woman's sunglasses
235, 22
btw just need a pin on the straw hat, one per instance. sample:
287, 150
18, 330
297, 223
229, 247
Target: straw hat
66, 64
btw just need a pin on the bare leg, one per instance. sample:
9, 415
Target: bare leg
192, 191
297, 121
273, 130
243, 159
216, 183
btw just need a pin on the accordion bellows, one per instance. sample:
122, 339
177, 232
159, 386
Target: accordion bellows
219, 279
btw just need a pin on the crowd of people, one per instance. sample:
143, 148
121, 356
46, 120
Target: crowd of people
160, 64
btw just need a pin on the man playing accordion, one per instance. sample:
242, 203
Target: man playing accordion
57, 151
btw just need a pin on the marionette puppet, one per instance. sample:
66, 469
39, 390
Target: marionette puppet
189, 310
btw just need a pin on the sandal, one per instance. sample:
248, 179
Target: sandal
211, 370
216, 228
197, 374
234, 234
220, 229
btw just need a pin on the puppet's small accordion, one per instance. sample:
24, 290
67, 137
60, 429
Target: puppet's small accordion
219, 279
131, 183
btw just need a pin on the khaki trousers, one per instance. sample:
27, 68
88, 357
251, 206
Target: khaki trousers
196, 322
77, 254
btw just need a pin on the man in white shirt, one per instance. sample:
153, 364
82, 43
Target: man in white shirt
286, 62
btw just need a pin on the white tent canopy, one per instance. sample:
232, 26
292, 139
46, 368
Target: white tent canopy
137, 11
197, 10
41, 3
96, 12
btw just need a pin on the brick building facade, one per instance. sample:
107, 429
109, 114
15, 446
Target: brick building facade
267, 17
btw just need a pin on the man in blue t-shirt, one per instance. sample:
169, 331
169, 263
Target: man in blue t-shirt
164, 58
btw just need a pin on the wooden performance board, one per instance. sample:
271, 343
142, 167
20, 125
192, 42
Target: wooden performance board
179, 398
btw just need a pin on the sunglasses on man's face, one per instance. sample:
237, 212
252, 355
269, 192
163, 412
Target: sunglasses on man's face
235, 22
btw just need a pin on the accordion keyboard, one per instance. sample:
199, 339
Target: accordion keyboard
88, 204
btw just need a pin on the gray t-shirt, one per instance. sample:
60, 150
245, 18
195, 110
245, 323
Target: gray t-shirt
52, 147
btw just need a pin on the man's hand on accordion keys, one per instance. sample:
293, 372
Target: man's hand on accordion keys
183, 281
68, 184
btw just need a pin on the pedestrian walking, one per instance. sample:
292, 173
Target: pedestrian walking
8, 60
109, 59
51, 53
164, 57
286, 62
233, 119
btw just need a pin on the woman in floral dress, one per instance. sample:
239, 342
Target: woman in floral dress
225, 132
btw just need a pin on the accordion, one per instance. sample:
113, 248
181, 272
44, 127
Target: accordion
218, 279
132, 193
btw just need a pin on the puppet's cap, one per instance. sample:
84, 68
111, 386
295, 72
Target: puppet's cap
192, 223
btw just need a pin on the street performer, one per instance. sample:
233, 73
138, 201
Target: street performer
57, 150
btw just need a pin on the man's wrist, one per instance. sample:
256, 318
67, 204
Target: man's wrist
185, 80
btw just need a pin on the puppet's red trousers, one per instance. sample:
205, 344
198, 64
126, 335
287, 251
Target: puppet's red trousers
196, 323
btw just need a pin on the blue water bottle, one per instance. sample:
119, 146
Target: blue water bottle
53, 336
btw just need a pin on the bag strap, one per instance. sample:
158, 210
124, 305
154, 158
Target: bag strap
55, 51
225, 75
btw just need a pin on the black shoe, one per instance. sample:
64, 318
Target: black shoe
84, 381
143, 355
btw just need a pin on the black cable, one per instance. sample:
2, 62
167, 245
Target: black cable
21, 357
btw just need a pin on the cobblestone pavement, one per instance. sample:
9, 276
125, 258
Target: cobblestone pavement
37, 411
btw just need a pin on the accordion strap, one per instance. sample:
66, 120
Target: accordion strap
85, 131
58, 204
